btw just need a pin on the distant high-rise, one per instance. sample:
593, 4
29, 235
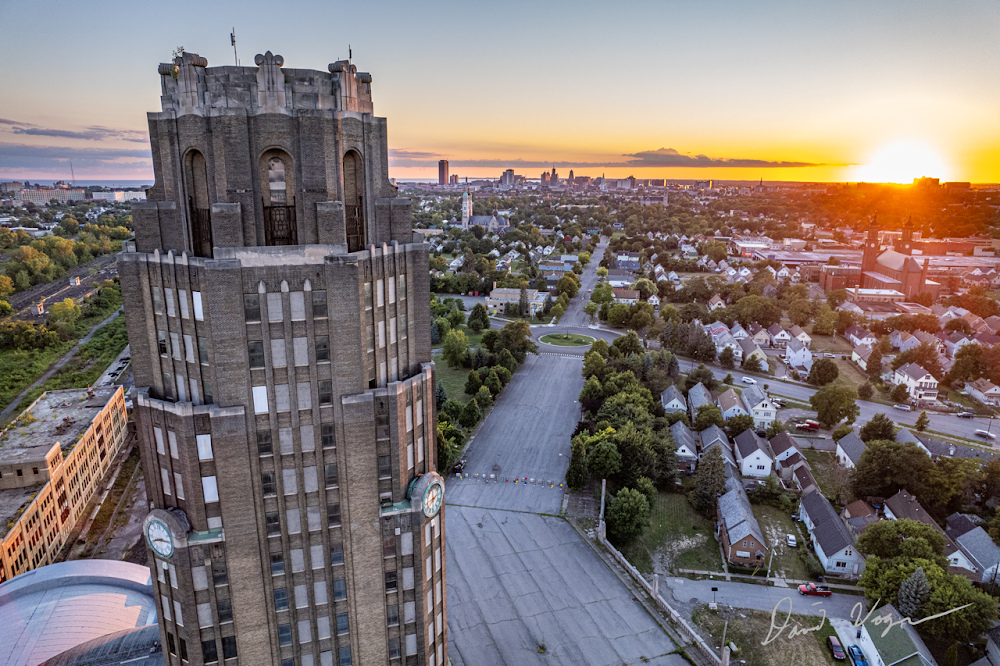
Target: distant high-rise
276, 302
554, 180
570, 176
442, 172
545, 178
507, 178
453, 180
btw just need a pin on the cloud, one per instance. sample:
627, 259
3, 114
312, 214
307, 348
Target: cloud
24, 156
6, 121
93, 133
660, 158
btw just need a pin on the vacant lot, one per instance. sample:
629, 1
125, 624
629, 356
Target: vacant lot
453, 379
776, 525
747, 629
677, 538
19, 369
824, 468
830, 343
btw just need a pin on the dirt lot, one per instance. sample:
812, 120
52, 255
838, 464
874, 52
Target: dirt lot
777, 525
747, 629
677, 538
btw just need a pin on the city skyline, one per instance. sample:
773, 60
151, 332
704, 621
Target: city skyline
776, 91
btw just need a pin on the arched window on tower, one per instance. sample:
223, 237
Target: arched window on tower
279, 208
276, 181
354, 200
199, 207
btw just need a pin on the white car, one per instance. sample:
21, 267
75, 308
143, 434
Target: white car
829, 355
985, 434
903, 408
748, 380
790, 540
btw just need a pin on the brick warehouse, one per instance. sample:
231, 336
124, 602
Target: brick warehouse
276, 298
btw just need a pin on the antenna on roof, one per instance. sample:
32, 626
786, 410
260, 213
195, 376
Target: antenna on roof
232, 38
349, 53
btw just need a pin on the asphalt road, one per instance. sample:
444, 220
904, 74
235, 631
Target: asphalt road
759, 597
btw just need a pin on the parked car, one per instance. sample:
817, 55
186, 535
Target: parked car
858, 656
985, 434
966, 415
903, 408
836, 648
814, 590
829, 355
749, 380
790, 540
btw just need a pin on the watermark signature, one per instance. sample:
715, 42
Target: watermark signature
795, 628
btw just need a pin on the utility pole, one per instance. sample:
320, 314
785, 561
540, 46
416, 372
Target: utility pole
232, 38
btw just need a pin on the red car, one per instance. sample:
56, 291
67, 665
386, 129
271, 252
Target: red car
815, 590
836, 648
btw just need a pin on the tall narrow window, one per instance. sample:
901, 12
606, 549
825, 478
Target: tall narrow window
276, 181
354, 201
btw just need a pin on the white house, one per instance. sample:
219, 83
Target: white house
799, 334
982, 553
715, 302
752, 455
903, 340
687, 446
673, 400
727, 340
738, 332
779, 336
783, 447
760, 406
858, 336
731, 405
849, 450
626, 296
832, 540
798, 355
984, 391
920, 383
654, 300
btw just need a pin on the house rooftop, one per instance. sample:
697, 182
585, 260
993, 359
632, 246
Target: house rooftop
782, 442
831, 534
748, 441
896, 647
852, 446
981, 547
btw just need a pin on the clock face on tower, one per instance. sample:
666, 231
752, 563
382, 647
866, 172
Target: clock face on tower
433, 498
159, 538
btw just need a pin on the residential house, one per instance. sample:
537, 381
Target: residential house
759, 335
737, 529
985, 339
627, 260
954, 341
626, 296
903, 340
921, 384
673, 400
697, 396
686, 441
858, 336
739, 332
994, 323
804, 480
975, 322
903, 505
727, 340
984, 391
752, 455
799, 334
982, 552
714, 436
750, 348
858, 515
783, 446
779, 336
889, 640
833, 542
783, 273
760, 406
654, 300
730, 404
619, 278
938, 449
715, 302
849, 450
501, 297
798, 356
929, 338
861, 355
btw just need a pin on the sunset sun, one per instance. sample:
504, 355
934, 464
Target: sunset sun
902, 162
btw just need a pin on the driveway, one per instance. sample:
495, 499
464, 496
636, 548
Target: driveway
689, 593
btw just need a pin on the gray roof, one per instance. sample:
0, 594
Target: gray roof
905, 435
904, 505
698, 396
49, 610
753, 396
828, 531
730, 399
782, 442
672, 393
684, 436
747, 442
961, 523
795, 345
711, 434
135, 647
748, 346
948, 450
913, 370
853, 446
737, 516
980, 547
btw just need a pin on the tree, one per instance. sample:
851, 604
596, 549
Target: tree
824, 320
6, 286
65, 311
752, 363
473, 383
900, 393
738, 424
507, 360
701, 375
959, 325
456, 348
602, 271
922, 421
604, 460
577, 474
823, 372
708, 415
557, 311
709, 482
493, 383
628, 344
5, 309
635, 446
645, 287
592, 395
800, 312
456, 318
728, 380
440, 396
774, 429
951, 655
593, 364
522, 302
645, 486
886, 466
443, 326
842, 431
484, 397
835, 297
590, 309
906, 538
926, 356
515, 336
470, 415
489, 340
479, 318
627, 515
912, 594
834, 403
618, 314
879, 427
453, 409
567, 285
866, 391
727, 359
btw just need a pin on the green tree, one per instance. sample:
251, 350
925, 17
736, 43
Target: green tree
470, 415
443, 326
453, 409
627, 515
493, 383
484, 397
507, 360
577, 474
5, 309
951, 656
489, 340
618, 314
824, 320
590, 309
645, 287
800, 312
65, 311
593, 365
886, 466
823, 372
866, 391
752, 364
906, 538
900, 393
440, 396
604, 461
879, 427
456, 318
473, 383
479, 318
522, 302
602, 271
834, 403
709, 482
727, 359
913, 593
516, 337
567, 285
842, 431
646, 487
628, 344
6, 287
728, 380
774, 429
738, 424
592, 395
456, 348
701, 375
557, 311
708, 415
635, 446
922, 421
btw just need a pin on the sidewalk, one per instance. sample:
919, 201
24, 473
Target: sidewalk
776, 580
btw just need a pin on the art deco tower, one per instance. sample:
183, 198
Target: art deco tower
277, 307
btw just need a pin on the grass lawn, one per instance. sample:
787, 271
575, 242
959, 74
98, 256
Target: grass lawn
453, 379
747, 629
19, 369
830, 343
822, 463
776, 524
567, 340
850, 374
88, 364
677, 538
473, 338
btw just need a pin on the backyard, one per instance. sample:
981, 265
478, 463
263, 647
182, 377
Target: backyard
824, 468
677, 538
776, 524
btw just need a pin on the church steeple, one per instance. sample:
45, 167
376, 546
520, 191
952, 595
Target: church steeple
905, 245
870, 254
